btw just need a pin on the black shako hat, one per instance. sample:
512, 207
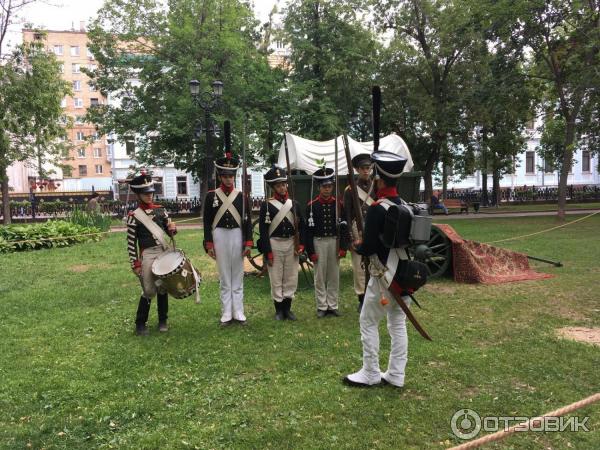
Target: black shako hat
275, 175
228, 165
142, 184
388, 164
323, 176
361, 160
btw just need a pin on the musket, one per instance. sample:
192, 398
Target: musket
358, 217
337, 203
291, 193
376, 91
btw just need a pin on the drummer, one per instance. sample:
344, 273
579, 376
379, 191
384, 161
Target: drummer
144, 246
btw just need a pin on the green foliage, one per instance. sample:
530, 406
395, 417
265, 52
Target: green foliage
334, 63
168, 47
52, 207
54, 233
90, 219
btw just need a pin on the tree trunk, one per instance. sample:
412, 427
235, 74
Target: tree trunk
484, 187
5, 197
567, 161
444, 180
427, 179
496, 187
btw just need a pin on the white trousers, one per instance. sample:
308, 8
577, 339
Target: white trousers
327, 273
358, 273
370, 316
283, 274
150, 283
228, 249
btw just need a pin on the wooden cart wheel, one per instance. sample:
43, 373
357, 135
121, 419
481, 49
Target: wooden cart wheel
437, 254
255, 257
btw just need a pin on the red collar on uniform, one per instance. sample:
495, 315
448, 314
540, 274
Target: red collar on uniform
281, 198
325, 201
388, 191
147, 206
226, 189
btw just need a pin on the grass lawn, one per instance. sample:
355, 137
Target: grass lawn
505, 208
75, 376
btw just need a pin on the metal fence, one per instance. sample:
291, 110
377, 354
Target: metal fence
526, 194
43, 209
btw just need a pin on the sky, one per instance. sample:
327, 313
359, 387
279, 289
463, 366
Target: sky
64, 14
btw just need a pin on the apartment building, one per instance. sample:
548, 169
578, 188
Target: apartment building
90, 159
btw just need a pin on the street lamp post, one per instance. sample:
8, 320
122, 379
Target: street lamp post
207, 101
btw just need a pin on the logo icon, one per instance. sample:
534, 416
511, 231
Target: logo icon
465, 423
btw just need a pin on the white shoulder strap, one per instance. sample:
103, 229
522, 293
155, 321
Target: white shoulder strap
364, 196
152, 227
284, 210
227, 205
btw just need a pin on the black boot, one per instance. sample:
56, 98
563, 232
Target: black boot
162, 303
279, 314
141, 316
287, 311
361, 299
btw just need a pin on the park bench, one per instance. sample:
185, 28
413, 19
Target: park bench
456, 203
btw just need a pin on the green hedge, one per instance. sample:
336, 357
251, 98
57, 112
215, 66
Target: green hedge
55, 233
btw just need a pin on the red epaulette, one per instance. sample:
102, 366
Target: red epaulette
376, 202
131, 213
211, 191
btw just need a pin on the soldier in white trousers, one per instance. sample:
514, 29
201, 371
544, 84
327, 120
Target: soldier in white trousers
326, 242
378, 301
280, 242
361, 164
228, 238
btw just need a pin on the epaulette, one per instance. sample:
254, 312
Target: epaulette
376, 202
131, 213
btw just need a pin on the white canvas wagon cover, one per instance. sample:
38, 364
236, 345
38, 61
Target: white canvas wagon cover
304, 153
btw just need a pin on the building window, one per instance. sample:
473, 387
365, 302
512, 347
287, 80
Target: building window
58, 50
94, 102
182, 185
92, 87
130, 148
96, 136
77, 85
585, 161
158, 186
548, 166
81, 152
530, 124
97, 152
82, 171
530, 162
74, 50
90, 55
92, 67
80, 136
78, 102
79, 120
98, 168
61, 68
75, 68
63, 102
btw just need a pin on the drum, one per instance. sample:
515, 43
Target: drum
176, 273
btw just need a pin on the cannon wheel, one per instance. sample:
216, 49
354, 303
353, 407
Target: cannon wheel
439, 259
256, 258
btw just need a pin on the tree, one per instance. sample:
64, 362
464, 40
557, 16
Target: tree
430, 48
32, 124
334, 61
499, 103
564, 39
147, 55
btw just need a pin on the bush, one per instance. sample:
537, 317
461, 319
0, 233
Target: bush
52, 207
55, 233
90, 219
